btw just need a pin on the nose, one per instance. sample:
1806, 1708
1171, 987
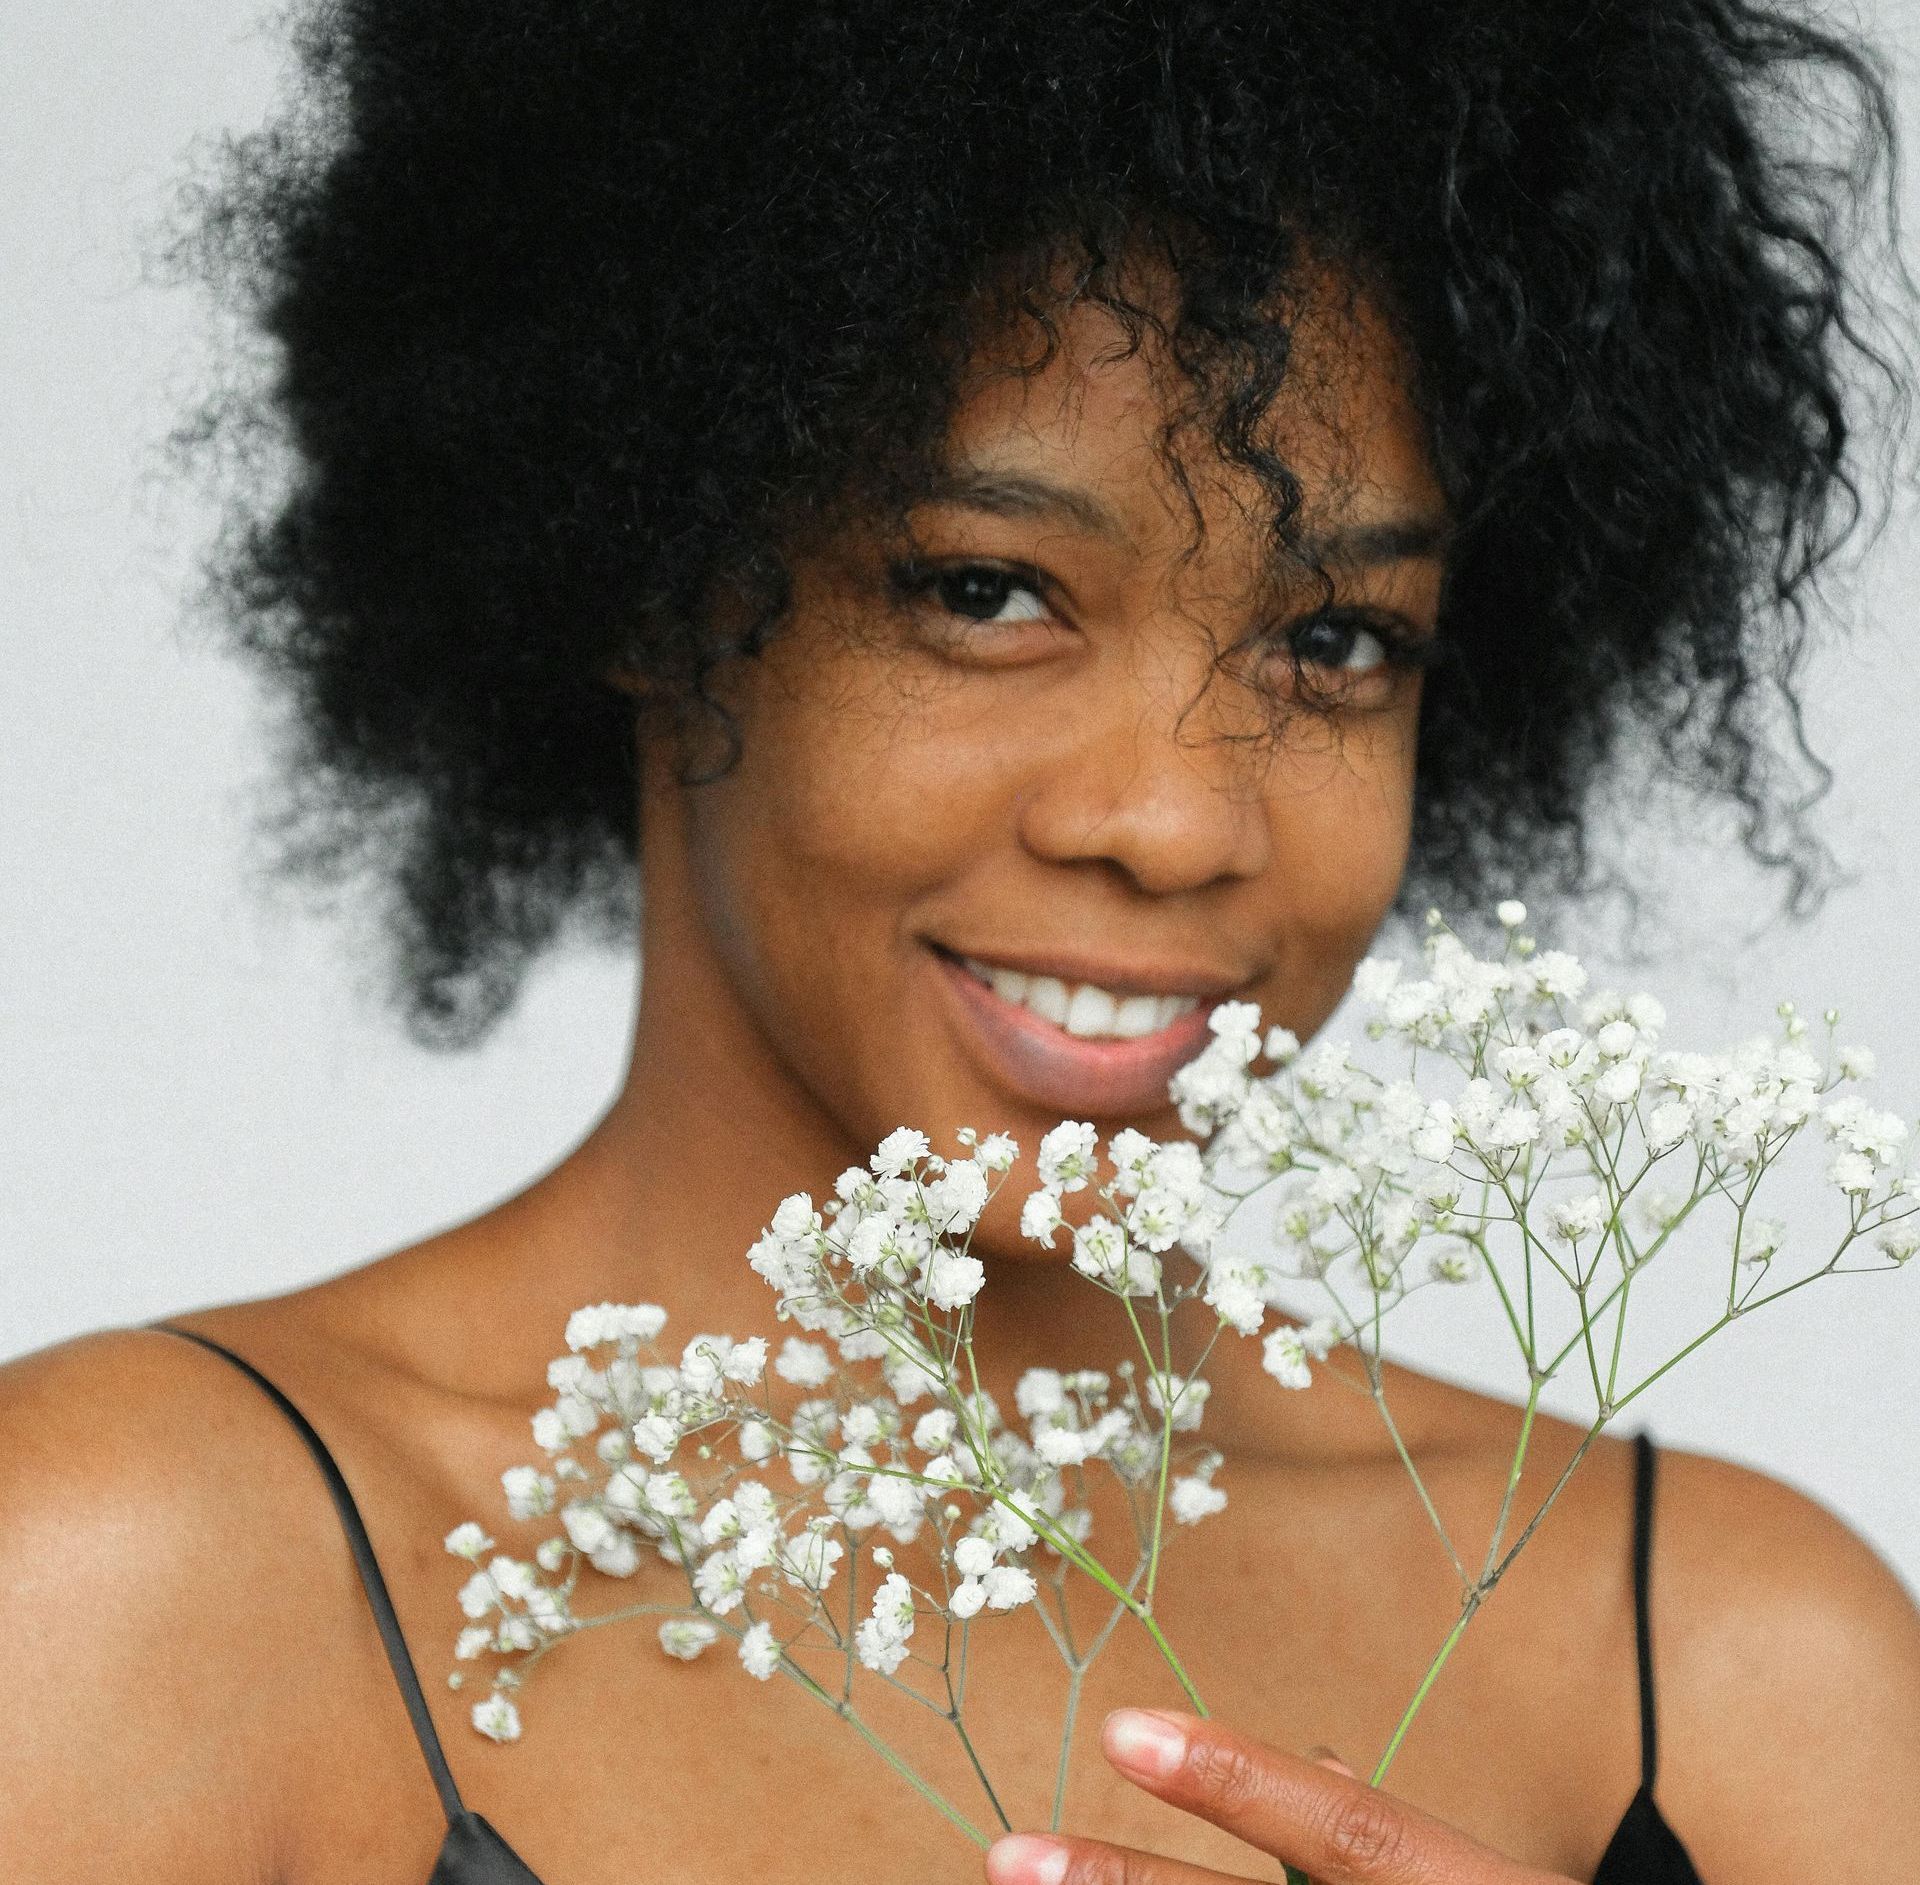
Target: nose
1147, 776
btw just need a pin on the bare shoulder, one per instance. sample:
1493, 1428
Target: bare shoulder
1786, 1651
145, 1529
1788, 1654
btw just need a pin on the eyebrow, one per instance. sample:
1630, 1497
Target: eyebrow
1410, 536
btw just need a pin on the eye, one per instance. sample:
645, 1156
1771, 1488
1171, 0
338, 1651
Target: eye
1339, 640
977, 592
1347, 646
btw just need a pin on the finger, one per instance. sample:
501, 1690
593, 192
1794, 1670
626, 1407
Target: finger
1045, 1859
1325, 1757
1338, 1829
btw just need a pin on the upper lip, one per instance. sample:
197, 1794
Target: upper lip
1129, 978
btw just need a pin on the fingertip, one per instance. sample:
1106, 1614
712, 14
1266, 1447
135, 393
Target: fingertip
1147, 1742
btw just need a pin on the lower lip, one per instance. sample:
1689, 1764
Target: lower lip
1048, 1066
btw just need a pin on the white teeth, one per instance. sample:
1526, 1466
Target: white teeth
1047, 997
1091, 1011
1083, 1009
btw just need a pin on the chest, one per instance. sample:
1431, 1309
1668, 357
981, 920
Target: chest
1302, 1619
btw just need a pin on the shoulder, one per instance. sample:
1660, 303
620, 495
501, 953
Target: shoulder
135, 1470
1788, 1658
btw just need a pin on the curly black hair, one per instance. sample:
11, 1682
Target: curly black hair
575, 310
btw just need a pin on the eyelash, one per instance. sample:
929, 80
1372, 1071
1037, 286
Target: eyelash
915, 581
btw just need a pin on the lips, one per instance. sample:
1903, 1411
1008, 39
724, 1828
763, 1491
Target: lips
1043, 1064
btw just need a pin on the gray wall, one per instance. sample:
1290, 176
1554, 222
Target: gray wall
199, 1099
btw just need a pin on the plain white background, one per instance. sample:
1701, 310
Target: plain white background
200, 1098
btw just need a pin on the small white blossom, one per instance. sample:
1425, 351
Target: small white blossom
528, 1492
1008, 1586
805, 1364
997, 1152
684, 1638
614, 1322
1040, 1216
1190, 1499
468, 1541
1067, 1156
953, 1280
1852, 1172
973, 1555
1570, 1219
656, 1436
1284, 1356
497, 1718
899, 1151
759, 1653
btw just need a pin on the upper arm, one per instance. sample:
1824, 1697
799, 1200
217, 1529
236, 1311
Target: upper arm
1789, 1658
129, 1742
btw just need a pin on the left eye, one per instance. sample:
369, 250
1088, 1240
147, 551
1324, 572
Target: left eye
980, 592
1339, 641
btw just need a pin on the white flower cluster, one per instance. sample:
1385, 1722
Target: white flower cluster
758, 1475
1541, 1111
1520, 1148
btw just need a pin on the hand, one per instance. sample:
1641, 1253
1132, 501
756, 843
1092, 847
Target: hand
1314, 1816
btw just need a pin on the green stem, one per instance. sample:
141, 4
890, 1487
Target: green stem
931, 1794
1074, 1679
1473, 1602
1513, 1482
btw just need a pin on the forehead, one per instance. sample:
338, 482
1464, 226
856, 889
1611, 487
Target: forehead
1095, 419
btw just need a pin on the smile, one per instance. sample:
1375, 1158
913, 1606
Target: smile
1081, 1008
1072, 1044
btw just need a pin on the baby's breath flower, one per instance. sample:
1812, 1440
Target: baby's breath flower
759, 1653
997, 1152
497, 1718
805, 1364
684, 1638
899, 1151
1040, 1216
528, 1492
1067, 1156
1007, 1586
468, 1541
953, 1280
1193, 1498
1571, 1219
1284, 1356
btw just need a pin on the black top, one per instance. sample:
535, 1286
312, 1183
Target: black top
1643, 1850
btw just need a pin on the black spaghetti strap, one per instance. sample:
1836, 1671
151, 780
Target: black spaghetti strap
370, 1577
1643, 1461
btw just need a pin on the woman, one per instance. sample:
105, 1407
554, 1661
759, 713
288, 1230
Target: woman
1022, 500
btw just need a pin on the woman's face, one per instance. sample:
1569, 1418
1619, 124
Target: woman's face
1002, 831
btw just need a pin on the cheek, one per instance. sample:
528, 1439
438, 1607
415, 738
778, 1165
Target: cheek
853, 804
1342, 813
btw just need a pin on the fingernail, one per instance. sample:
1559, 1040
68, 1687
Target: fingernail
1149, 1744
1026, 1859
